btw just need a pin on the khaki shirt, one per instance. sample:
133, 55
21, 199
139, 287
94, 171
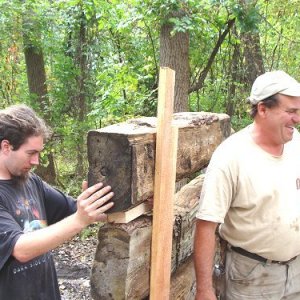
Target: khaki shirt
256, 196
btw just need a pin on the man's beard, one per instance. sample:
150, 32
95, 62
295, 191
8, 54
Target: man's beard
19, 179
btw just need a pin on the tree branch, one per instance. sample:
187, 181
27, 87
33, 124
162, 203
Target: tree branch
199, 84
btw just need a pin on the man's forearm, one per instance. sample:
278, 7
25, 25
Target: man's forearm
33, 244
91, 206
204, 251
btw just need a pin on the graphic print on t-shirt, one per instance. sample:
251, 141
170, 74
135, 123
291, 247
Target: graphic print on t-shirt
28, 215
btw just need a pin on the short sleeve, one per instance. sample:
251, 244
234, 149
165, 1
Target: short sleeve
10, 231
219, 186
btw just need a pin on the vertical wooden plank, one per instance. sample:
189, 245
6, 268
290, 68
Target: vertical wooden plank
164, 189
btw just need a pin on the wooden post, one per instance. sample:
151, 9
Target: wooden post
164, 189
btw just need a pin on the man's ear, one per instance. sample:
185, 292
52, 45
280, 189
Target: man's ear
261, 109
5, 146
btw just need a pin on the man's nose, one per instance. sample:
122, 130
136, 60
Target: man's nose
35, 159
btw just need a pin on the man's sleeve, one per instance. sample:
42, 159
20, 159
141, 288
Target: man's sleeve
10, 231
57, 204
218, 189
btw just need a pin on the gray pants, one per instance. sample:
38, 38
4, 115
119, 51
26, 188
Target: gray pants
247, 278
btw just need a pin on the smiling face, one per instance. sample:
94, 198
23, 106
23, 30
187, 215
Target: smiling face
281, 120
16, 164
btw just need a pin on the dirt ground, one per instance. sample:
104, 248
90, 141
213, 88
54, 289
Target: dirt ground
73, 261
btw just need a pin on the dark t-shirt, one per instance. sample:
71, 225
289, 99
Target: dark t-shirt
24, 208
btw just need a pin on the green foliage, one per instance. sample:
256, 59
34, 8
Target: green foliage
239, 123
120, 53
13, 83
90, 231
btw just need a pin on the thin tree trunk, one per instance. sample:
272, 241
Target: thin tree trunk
230, 103
174, 53
81, 96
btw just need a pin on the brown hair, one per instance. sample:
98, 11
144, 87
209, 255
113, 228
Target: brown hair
18, 123
269, 102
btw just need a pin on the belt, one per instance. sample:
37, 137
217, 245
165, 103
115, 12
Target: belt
260, 258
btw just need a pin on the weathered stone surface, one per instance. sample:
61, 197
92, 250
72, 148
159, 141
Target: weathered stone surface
183, 282
123, 155
121, 268
185, 209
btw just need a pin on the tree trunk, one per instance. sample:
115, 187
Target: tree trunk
254, 65
174, 53
81, 61
234, 77
36, 76
230, 103
253, 56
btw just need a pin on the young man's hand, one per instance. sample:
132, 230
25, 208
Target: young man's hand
92, 203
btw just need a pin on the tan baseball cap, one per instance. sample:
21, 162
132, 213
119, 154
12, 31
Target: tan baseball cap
271, 83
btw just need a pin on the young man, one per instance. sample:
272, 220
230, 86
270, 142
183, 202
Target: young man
252, 189
34, 217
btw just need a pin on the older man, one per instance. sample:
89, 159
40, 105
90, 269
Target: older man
252, 189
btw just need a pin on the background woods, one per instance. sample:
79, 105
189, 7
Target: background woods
84, 64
